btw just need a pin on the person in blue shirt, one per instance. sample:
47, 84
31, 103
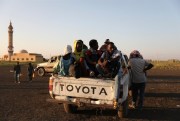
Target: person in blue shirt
62, 67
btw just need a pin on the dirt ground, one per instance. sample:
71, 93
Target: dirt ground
27, 101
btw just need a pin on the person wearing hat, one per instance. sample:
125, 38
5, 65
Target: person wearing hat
62, 67
138, 68
103, 48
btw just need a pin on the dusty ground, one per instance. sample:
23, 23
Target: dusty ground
27, 101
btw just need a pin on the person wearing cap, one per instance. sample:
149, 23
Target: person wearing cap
103, 48
138, 68
62, 67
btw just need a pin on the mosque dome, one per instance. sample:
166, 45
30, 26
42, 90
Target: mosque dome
23, 51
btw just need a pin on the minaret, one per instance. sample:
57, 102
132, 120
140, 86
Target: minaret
10, 46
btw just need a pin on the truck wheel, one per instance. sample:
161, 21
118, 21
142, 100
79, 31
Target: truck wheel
69, 108
123, 109
41, 72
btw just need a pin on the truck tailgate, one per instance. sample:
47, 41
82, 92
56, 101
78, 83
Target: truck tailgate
84, 87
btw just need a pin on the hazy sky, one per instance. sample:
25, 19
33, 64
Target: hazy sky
46, 26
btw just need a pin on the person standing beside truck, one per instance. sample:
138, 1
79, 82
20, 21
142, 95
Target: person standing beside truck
17, 72
138, 68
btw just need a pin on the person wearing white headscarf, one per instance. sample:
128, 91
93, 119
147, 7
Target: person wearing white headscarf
62, 68
67, 50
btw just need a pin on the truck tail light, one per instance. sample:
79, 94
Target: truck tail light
51, 80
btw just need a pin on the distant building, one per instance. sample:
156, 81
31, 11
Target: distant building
23, 55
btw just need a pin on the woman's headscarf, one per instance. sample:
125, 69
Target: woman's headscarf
67, 50
78, 55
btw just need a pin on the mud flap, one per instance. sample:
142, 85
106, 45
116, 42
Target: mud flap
122, 110
69, 108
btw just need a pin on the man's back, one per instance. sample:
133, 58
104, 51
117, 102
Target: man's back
137, 67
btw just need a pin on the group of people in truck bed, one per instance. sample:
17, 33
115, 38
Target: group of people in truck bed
84, 62
105, 62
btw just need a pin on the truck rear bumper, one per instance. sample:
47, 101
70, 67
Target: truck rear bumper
81, 102
53, 101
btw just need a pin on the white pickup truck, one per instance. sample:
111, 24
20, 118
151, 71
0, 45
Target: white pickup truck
74, 93
47, 67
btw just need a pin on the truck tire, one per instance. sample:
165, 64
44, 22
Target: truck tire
41, 72
69, 108
123, 109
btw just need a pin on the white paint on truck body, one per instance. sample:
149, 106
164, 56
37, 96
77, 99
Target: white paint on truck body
84, 87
